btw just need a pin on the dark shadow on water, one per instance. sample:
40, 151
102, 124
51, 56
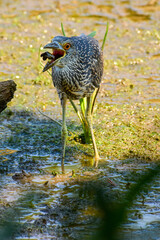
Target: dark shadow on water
35, 139
89, 209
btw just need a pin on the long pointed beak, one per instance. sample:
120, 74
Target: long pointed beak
47, 66
58, 52
54, 45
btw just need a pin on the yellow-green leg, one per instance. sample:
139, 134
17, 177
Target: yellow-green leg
88, 116
64, 133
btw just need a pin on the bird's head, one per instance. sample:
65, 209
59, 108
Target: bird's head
63, 50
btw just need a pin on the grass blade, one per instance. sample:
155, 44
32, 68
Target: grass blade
105, 36
92, 34
76, 110
62, 28
83, 104
94, 95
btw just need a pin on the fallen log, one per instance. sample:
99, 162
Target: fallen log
7, 89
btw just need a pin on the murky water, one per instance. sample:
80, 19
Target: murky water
52, 206
40, 194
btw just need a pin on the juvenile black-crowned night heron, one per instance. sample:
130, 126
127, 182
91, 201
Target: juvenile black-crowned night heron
77, 68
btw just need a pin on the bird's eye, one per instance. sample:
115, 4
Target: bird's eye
67, 46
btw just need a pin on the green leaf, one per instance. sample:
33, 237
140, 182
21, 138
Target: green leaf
105, 36
83, 104
62, 28
92, 34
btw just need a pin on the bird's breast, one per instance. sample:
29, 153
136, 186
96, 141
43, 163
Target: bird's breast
75, 84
